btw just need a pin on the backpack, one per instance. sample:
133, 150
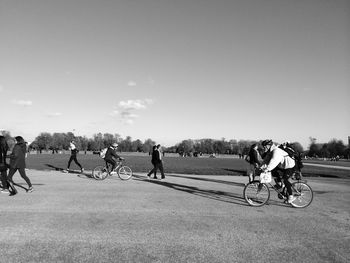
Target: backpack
295, 155
103, 153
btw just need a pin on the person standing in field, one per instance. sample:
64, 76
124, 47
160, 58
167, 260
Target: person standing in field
73, 156
3, 165
157, 163
18, 163
254, 159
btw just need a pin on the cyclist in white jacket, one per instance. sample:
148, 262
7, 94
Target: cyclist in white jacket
278, 162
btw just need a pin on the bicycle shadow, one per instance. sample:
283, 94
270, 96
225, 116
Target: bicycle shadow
207, 180
217, 195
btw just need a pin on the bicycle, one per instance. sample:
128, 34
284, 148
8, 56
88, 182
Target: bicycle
101, 172
258, 194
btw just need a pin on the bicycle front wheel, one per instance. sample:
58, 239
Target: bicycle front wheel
100, 172
256, 194
303, 194
125, 173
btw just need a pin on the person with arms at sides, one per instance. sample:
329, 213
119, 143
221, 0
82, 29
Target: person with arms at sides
157, 163
254, 160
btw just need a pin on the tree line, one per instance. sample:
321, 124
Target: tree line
60, 141
333, 149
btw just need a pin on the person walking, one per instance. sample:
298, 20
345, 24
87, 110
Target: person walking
3, 165
254, 159
153, 161
73, 156
157, 163
17, 162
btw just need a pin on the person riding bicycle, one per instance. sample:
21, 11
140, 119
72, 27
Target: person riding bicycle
111, 154
278, 162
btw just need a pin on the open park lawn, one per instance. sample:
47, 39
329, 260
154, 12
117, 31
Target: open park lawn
172, 164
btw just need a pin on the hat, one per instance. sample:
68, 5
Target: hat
115, 145
266, 142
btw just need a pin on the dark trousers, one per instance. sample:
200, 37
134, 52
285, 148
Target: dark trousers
157, 166
284, 175
74, 158
112, 162
4, 179
22, 172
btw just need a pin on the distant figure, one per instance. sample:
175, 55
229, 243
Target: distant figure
254, 160
73, 156
3, 165
157, 163
17, 162
153, 161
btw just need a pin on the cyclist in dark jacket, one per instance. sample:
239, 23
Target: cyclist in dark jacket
111, 155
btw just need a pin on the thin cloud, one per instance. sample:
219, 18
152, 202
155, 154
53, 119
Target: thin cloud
135, 104
125, 109
1, 88
22, 102
54, 114
132, 83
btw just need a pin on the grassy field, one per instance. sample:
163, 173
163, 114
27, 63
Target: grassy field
173, 164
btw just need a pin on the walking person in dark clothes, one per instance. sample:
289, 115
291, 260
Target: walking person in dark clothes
73, 156
17, 162
157, 163
3, 165
153, 161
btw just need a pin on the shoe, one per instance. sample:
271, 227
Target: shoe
5, 191
30, 189
291, 198
82, 170
13, 192
260, 186
112, 173
155, 178
162, 178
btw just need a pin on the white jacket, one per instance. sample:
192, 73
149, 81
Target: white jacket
277, 158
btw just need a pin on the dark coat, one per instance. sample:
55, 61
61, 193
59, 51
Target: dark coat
18, 156
110, 154
156, 157
255, 157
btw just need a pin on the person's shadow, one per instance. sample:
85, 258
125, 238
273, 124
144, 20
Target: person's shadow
222, 196
78, 173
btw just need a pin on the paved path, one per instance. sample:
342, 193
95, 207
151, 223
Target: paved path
185, 218
328, 166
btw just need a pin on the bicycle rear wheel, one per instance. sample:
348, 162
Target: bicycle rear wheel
125, 173
256, 194
100, 172
303, 194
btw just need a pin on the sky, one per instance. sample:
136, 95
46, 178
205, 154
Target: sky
172, 70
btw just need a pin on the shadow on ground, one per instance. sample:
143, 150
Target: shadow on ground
207, 193
77, 172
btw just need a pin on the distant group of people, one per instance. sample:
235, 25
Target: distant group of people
274, 159
17, 163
